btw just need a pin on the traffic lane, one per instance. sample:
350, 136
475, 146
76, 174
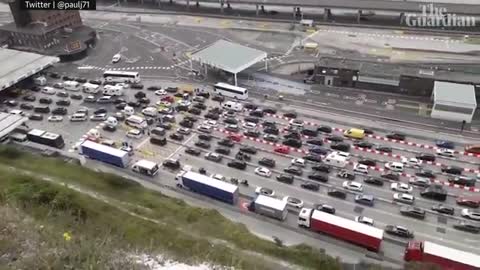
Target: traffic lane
347, 208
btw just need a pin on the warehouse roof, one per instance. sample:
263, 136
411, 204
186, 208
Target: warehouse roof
229, 56
18, 65
9, 122
456, 94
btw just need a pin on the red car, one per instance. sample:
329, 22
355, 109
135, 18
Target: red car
282, 150
235, 137
168, 98
473, 202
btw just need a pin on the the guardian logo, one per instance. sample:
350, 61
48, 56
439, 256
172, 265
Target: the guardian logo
432, 16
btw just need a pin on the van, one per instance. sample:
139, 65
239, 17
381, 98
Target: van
40, 80
90, 88
145, 167
113, 90
335, 160
78, 117
42, 109
235, 106
136, 122
71, 86
111, 121
128, 110
394, 166
354, 133
18, 137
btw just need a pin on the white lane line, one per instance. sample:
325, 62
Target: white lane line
142, 143
181, 146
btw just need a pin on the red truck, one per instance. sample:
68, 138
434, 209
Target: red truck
342, 228
447, 258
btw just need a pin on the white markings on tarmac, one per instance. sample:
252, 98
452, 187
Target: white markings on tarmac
180, 147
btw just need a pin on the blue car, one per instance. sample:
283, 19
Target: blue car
319, 150
445, 144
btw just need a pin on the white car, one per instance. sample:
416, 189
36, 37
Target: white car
360, 168
55, 118
296, 123
205, 128
342, 154
467, 213
414, 162
265, 191
403, 198
353, 186
444, 152
134, 133
161, 92
184, 131
249, 125
294, 202
401, 187
150, 111
16, 112
262, 171
298, 162
218, 177
98, 117
163, 103
364, 220
184, 103
116, 58
420, 181
211, 123
48, 90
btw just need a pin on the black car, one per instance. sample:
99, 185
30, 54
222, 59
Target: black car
293, 135
318, 176
250, 106
204, 94
384, 148
325, 129
181, 108
271, 130
344, 147
372, 180
167, 126
435, 193
29, 98
322, 168
170, 89
205, 137
232, 128
223, 151
121, 106
313, 158
76, 96
294, 170
226, 142
368, 162
237, 164
119, 100
252, 120
390, 175
248, 149
257, 113
337, 193
154, 88
134, 104
230, 120
139, 95
194, 111
100, 111
213, 116
316, 142
26, 106
467, 227
242, 156
396, 136
176, 137
199, 106
190, 118
425, 173
218, 98
202, 144
285, 178
109, 128
452, 170
414, 212
363, 144
62, 94
36, 117
269, 123
171, 164
136, 86
68, 78
59, 111
267, 162
99, 82
193, 151
310, 132
426, 157
158, 141
310, 186
41, 109
334, 138
346, 175
144, 100
45, 101
54, 75
398, 231
462, 180
292, 115
81, 80
269, 110
444, 209
186, 124
292, 143
252, 133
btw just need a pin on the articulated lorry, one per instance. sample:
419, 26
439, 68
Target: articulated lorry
349, 230
105, 153
210, 187
270, 207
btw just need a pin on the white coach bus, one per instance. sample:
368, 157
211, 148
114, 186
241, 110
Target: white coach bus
232, 91
121, 76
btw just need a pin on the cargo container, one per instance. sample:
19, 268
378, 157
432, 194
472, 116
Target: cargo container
210, 187
357, 233
105, 153
447, 258
270, 207
46, 138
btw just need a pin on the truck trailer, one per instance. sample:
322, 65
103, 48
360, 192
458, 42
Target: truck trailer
46, 138
447, 258
270, 207
105, 153
210, 187
354, 232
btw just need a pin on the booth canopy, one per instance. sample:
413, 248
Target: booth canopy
454, 94
229, 56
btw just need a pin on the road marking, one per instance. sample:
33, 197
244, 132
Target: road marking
407, 106
142, 143
182, 145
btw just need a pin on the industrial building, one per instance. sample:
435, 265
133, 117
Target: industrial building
453, 101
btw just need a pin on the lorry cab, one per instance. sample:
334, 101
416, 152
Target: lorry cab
145, 167
304, 217
235, 106
413, 252
354, 133
90, 88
